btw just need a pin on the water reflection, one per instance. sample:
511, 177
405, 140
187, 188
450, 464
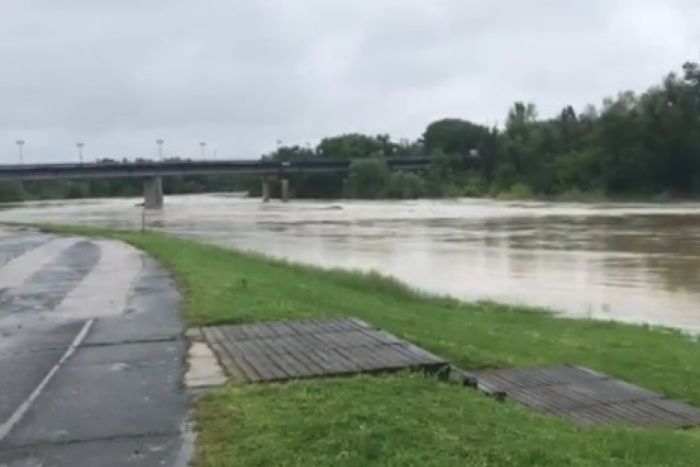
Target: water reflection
636, 263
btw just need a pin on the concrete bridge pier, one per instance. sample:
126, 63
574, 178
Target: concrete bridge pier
153, 193
265, 189
284, 190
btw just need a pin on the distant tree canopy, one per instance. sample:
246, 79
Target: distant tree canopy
454, 136
633, 145
354, 146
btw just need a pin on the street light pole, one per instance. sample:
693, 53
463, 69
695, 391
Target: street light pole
80, 145
203, 145
160, 142
20, 146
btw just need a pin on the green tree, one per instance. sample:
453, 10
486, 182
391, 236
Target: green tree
632, 145
354, 146
367, 179
578, 171
406, 185
291, 153
454, 136
12, 191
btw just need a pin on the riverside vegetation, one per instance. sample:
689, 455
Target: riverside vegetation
632, 146
410, 419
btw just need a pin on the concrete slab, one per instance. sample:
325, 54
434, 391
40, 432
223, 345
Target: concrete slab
20, 375
102, 397
13, 245
133, 355
152, 311
104, 291
46, 288
147, 451
135, 328
27, 335
16, 272
28, 354
203, 369
117, 397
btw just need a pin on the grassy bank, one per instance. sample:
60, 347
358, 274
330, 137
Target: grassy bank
411, 419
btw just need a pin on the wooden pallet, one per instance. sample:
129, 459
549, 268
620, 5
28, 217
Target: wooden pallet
282, 351
585, 397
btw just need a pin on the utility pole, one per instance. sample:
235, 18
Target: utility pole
20, 146
80, 145
203, 145
160, 142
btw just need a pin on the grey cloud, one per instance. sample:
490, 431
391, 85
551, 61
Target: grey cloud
242, 75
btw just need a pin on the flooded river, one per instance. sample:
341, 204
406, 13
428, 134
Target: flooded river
638, 263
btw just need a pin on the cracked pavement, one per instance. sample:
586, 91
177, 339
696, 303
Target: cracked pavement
91, 355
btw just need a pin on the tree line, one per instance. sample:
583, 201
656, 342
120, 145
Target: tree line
633, 145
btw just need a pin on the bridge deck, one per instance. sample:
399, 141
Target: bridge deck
143, 169
283, 351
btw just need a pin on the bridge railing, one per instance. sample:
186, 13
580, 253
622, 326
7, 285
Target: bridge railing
109, 169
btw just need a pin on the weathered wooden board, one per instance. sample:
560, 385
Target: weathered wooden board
281, 351
585, 397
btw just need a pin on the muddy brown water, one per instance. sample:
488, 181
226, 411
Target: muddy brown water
628, 262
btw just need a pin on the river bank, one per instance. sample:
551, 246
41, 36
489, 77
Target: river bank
410, 419
630, 263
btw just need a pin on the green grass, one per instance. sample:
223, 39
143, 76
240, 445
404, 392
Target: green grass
409, 419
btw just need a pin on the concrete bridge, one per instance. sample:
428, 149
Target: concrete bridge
152, 172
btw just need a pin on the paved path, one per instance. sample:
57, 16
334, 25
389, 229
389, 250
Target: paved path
91, 355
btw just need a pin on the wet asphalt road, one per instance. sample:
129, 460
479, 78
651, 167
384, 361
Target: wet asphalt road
91, 356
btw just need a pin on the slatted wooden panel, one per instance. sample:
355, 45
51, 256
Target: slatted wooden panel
586, 397
310, 348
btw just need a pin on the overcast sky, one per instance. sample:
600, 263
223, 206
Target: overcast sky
242, 75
